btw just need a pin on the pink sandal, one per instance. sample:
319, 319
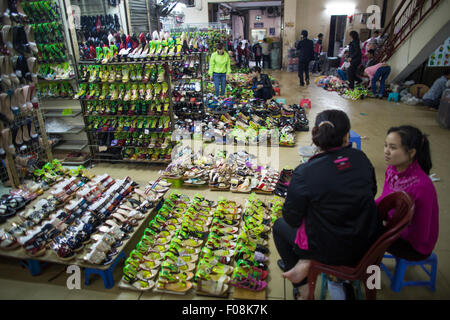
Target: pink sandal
249, 283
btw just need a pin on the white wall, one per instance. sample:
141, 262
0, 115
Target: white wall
290, 26
197, 14
421, 43
238, 27
268, 22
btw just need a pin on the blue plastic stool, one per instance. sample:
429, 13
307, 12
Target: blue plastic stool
356, 138
324, 287
281, 100
34, 266
400, 267
107, 274
393, 96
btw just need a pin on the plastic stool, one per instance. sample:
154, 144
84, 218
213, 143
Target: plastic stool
400, 267
305, 103
107, 274
277, 90
34, 266
356, 138
324, 287
393, 96
281, 100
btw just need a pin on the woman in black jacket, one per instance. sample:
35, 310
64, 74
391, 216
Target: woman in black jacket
261, 84
330, 213
354, 58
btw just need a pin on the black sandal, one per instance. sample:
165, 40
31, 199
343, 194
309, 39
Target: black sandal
296, 290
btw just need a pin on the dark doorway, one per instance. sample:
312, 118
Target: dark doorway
337, 34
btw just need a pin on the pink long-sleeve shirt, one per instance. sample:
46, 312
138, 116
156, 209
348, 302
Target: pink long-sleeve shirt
371, 70
423, 231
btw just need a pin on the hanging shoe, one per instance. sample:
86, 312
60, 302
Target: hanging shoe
26, 133
32, 131
5, 107
6, 81
18, 138
7, 141
14, 102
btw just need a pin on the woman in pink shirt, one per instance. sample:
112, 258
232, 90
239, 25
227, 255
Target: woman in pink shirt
377, 72
407, 153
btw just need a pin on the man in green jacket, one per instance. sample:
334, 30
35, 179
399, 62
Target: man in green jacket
219, 69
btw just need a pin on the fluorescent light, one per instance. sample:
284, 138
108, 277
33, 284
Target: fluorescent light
340, 8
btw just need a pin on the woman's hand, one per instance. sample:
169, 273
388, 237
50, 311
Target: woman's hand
259, 86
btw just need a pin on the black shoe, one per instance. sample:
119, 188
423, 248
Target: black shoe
281, 264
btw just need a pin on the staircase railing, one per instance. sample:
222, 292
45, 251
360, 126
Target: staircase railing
407, 16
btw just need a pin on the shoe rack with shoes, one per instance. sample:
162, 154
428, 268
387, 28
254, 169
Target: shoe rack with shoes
87, 219
22, 130
119, 47
187, 93
47, 34
53, 69
127, 109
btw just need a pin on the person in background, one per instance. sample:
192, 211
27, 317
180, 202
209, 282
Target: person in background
266, 53
240, 54
219, 69
261, 84
235, 46
317, 51
407, 154
305, 48
377, 72
247, 55
370, 44
342, 71
432, 97
370, 58
330, 203
229, 44
257, 51
354, 58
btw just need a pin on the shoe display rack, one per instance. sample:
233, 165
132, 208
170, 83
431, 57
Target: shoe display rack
24, 139
127, 109
87, 221
187, 94
57, 78
207, 245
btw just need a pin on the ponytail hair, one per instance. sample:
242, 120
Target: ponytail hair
413, 138
354, 34
330, 129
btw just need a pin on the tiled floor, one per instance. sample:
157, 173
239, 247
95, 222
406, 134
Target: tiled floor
370, 118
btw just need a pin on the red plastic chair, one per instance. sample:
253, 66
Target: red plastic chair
403, 205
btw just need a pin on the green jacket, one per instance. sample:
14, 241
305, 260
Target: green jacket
219, 63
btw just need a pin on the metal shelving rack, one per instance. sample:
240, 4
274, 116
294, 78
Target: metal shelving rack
54, 106
93, 142
200, 71
33, 153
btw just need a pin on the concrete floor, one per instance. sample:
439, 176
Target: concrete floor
370, 118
